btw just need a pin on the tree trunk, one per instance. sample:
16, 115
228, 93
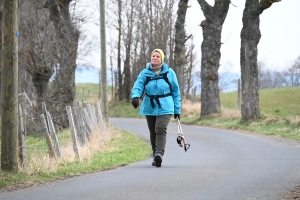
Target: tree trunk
210, 61
250, 36
120, 90
128, 43
179, 51
63, 92
41, 82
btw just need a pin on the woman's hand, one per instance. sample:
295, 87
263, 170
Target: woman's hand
177, 116
135, 102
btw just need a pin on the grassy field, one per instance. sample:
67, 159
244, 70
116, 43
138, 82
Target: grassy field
279, 102
279, 107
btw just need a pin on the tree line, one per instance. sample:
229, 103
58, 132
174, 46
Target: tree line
50, 35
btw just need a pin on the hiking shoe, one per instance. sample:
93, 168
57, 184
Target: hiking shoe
153, 161
158, 159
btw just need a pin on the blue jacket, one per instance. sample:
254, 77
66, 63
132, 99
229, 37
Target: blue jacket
170, 104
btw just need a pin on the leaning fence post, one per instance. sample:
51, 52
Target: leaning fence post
87, 119
53, 134
73, 132
46, 133
79, 128
94, 115
83, 127
22, 144
90, 113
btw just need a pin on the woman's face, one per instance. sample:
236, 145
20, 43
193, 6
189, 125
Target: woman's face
156, 59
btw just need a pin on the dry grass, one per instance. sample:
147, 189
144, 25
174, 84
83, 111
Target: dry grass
46, 164
227, 113
189, 110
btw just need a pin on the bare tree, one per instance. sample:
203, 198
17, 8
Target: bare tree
227, 79
292, 74
67, 36
180, 39
130, 13
37, 52
188, 71
264, 76
250, 36
210, 61
153, 29
120, 95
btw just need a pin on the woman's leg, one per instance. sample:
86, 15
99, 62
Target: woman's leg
161, 126
151, 126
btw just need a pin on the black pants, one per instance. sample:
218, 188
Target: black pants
158, 131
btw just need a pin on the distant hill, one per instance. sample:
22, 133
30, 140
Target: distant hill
227, 80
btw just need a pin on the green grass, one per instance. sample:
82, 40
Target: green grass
87, 91
123, 109
122, 149
279, 102
279, 107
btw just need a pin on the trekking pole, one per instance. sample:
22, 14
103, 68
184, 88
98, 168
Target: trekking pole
180, 138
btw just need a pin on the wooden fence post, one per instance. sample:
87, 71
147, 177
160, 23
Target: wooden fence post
46, 133
91, 115
73, 132
82, 126
53, 135
94, 115
87, 119
194, 94
239, 95
100, 118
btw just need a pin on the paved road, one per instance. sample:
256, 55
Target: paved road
221, 164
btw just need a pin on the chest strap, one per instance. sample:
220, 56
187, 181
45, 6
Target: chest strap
156, 97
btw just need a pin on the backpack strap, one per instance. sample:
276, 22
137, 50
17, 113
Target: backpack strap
148, 78
156, 97
165, 77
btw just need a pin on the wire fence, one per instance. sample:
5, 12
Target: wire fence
41, 142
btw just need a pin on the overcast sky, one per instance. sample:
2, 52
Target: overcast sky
279, 45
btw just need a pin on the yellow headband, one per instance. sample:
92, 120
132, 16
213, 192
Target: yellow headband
162, 55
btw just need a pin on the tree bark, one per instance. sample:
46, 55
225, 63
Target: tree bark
120, 91
250, 36
180, 39
210, 61
63, 92
128, 43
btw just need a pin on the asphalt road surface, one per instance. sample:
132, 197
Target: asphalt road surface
220, 164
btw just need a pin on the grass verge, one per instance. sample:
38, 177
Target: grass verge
123, 148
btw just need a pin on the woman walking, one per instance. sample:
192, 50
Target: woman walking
162, 99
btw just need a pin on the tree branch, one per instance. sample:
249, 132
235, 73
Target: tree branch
265, 4
206, 8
